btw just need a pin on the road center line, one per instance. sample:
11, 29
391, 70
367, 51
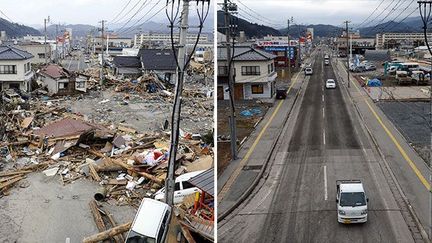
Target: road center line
323, 112
324, 140
322, 98
325, 183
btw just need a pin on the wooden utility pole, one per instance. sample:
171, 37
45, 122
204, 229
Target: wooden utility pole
47, 20
347, 44
102, 52
230, 70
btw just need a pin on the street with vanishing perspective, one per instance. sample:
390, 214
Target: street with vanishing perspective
106, 122
326, 121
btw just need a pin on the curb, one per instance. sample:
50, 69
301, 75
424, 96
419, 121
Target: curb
264, 167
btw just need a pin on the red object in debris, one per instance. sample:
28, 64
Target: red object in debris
157, 154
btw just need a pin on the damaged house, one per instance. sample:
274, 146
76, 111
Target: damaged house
158, 61
127, 66
60, 81
162, 62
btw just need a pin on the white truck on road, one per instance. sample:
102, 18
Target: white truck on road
351, 201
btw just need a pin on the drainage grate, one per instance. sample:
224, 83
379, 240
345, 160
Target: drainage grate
252, 167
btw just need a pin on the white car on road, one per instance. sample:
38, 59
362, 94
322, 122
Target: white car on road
351, 201
330, 84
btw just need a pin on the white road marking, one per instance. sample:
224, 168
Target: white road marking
322, 98
324, 137
323, 112
325, 183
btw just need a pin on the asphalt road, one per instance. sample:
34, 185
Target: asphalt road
323, 142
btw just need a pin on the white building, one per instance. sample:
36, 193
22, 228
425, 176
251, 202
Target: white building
254, 70
15, 68
37, 50
384, 39
164, 38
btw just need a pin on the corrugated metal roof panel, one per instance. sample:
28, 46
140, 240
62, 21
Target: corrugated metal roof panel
204, 181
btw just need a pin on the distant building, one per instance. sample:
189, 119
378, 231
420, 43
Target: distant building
393, 40
278, 46
164, 38
37, 50
310, 33
254, 70
15, 68
114, 44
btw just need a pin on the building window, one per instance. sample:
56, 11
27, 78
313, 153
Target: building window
26, 67
63, 85
8, 69
222, 70
80, 84
257, 89
41, 55
250, 70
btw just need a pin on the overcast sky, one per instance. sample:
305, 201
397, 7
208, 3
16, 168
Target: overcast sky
319, 11
33, 12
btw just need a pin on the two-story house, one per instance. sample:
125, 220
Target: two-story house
15, 68
254, 70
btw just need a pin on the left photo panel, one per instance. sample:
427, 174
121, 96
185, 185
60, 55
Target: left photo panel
107, 121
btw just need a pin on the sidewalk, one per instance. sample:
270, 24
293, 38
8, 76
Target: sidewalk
408, 167
237, 180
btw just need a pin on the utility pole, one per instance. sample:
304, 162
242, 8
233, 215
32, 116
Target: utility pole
102, 52
298, 59
425, 8
175, 124
232, 119
289, 52
347, 40
56, 46
47, 20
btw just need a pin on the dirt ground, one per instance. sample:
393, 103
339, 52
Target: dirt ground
412, 120
245, 125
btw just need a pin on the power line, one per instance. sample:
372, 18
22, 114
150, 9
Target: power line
403, 11
388, 14
1, 12
139, 20
358, 26
139, 10
130, 10
127, 4
369, 22
258, 14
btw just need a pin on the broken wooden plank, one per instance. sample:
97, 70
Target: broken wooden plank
146, 175
10, 173
108, 233
94, 173
9, 178
11, 182
186, 233
97, 216
119, 238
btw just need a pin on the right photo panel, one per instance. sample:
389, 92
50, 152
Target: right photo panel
324, 121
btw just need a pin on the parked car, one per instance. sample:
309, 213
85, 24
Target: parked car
370, 67
182, 188
330, 84
11, 96
151, 222
351, 201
